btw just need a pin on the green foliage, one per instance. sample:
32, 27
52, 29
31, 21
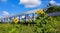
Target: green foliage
15, 28
57, 20
45, 24
53, 9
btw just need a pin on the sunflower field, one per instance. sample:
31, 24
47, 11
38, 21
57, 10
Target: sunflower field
44, 24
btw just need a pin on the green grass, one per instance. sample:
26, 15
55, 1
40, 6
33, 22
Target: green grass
16, 28
20, 28
57, 19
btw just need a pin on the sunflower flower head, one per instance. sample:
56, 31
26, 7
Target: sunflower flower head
16, 20
40, 11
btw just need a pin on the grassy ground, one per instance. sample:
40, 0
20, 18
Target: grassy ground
57, 19
16, 28
58, 27
20, 28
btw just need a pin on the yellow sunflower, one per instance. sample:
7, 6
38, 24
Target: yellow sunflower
40, 11
16, 20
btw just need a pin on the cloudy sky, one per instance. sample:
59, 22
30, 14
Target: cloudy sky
11, 7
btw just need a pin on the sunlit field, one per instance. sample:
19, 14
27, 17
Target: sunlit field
43, 23
22, 28
57, 23
16, 28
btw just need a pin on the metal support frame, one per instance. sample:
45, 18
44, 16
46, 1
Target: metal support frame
10, 18
1, 20
14, 17
25, 18
32, 17
4, 19
19, 18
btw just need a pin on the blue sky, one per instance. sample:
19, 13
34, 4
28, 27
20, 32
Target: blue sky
11, 7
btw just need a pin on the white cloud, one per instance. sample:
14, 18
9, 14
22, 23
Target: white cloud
54, 3
4, 0
5, 13
30, 3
